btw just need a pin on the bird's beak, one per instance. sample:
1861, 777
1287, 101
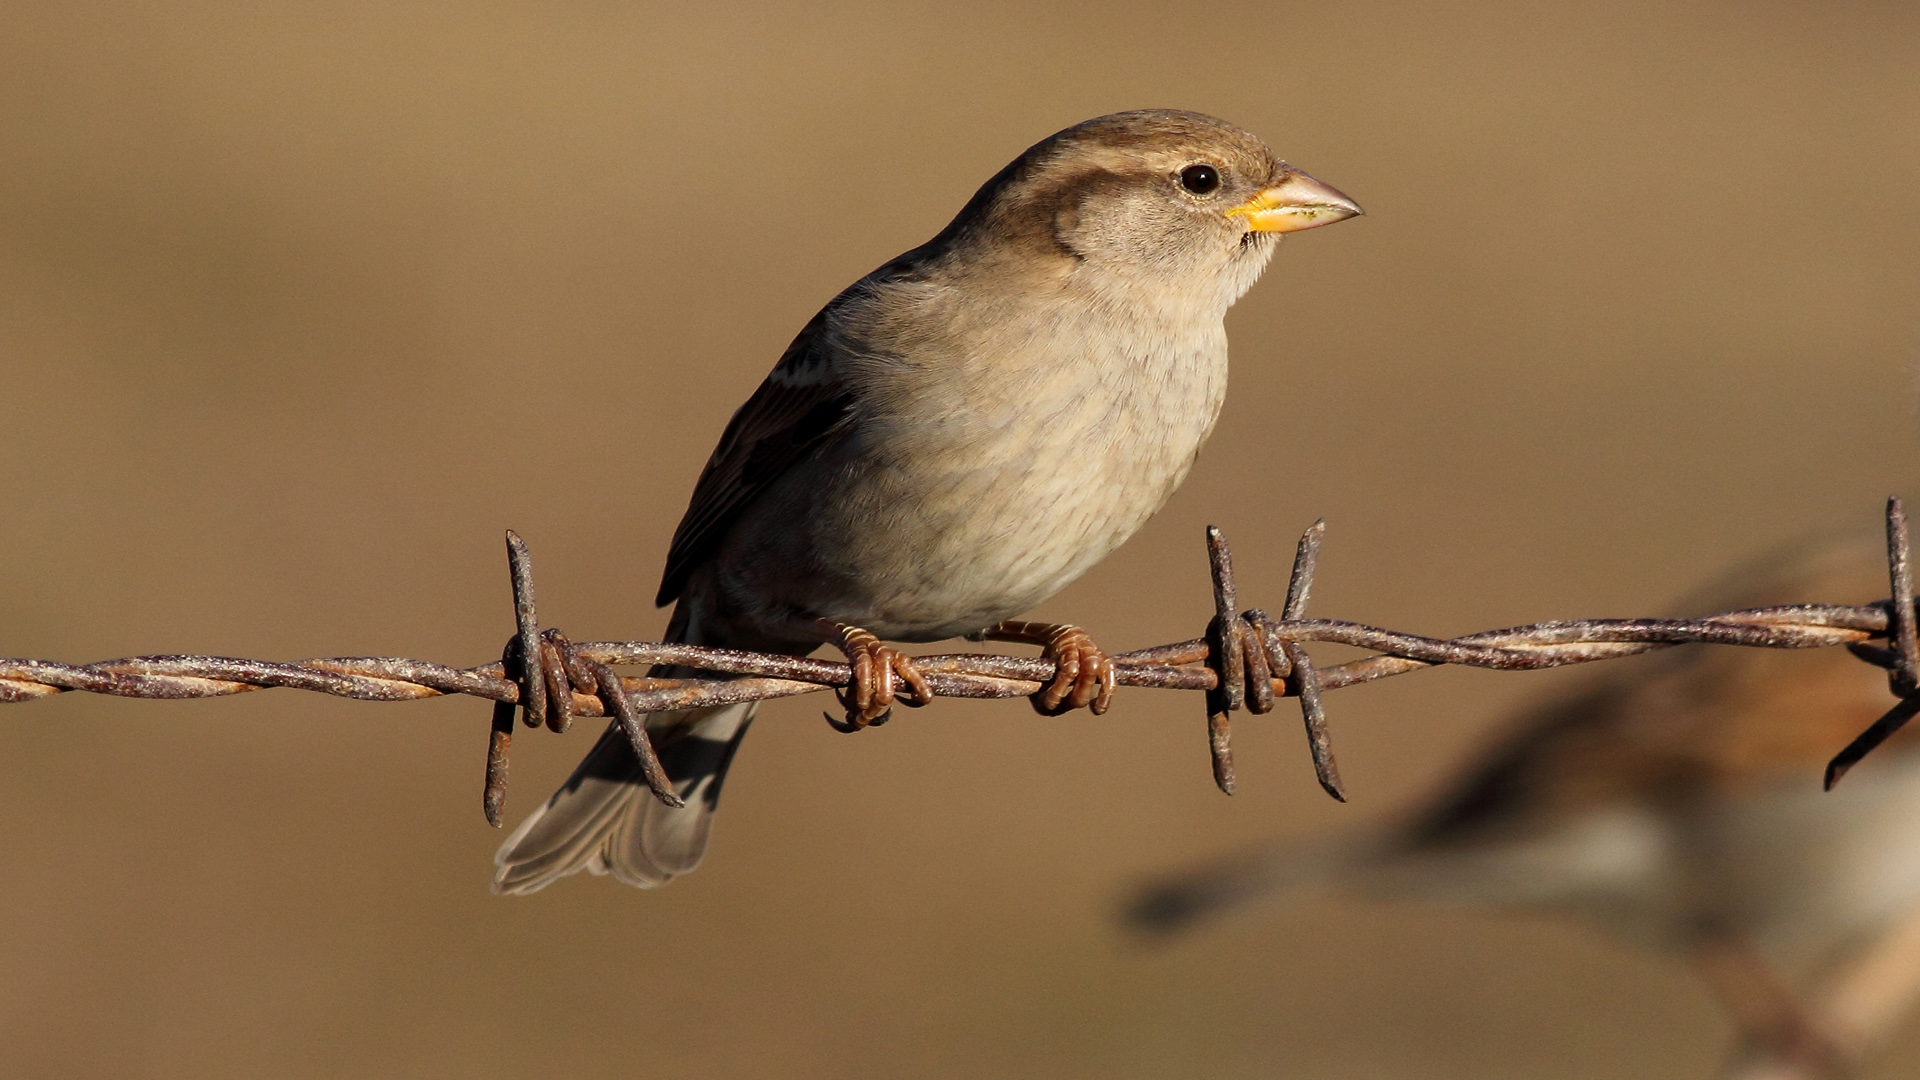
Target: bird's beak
1298, 202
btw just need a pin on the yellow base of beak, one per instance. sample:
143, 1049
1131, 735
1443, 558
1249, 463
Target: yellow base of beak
1296, 203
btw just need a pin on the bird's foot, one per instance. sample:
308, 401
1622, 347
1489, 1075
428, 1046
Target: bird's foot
878, 671
1083, 676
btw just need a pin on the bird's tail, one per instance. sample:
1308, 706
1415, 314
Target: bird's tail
604, 820
1183, 899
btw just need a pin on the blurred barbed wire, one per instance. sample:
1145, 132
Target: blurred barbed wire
1245, 660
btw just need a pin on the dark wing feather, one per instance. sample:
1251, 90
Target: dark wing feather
1690, 719
802, 403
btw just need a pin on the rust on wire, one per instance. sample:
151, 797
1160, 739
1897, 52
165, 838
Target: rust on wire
526, 651
1226, 644
1305, 681
1246, 659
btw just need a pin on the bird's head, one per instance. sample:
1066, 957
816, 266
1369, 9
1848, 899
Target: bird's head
1158, 197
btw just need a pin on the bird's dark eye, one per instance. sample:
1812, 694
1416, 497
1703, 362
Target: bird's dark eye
1200, 179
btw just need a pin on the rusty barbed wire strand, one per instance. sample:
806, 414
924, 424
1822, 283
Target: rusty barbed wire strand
1245, 660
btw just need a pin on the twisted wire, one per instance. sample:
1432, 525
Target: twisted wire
1246, 660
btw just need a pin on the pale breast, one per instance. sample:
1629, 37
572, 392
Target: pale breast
975, 486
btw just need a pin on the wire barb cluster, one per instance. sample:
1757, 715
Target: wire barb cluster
1902, 661
1246, 660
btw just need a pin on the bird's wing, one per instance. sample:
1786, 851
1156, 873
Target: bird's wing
801, 404
1689, 719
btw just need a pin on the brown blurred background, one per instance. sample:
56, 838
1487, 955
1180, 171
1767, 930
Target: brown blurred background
301, 305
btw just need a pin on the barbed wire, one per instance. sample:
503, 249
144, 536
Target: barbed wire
1245, 660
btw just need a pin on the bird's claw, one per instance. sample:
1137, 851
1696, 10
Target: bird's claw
1083, 675
878, 673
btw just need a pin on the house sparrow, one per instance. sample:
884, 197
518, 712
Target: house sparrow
1676, 802
949, 442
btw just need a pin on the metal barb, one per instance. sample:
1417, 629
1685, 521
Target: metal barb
1903, 677
634, 723
1223, 633
533, 689
1902, 656
1869, 740
1224, 643
554, 648
1304, 679
1253, 634
1306, 559
499, 739
1220, 746
1314, 717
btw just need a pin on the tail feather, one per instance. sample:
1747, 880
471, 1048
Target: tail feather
1182, 900
604, 820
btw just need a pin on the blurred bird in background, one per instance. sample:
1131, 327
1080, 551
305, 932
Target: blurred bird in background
950, 441
1676, 802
